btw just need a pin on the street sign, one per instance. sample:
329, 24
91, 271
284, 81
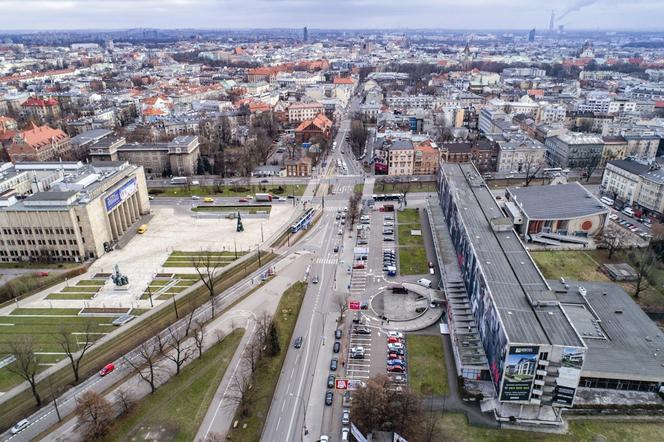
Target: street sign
354, 305
341, 384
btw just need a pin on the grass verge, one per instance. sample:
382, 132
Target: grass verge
413, 261
231, 191
194, 389
268, 374
22, 404
428, 373
455, 427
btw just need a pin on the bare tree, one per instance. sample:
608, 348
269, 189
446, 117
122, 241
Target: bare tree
124, 399
591, 165
176, 349
146, 365
240, 392
643, 260
531, 166
190, 320
26, 363
405, 188
252, 353
263, 327
341, 302
76, 347
207, 266
353, 209
613, 239
220, 334
95, 413
199, 336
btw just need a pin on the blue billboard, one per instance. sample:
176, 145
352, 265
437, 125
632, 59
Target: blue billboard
120, 194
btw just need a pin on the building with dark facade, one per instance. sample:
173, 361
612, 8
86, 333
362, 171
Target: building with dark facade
567, 332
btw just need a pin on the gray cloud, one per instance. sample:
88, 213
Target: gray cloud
446, 14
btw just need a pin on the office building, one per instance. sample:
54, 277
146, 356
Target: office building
67, 211
574, 149
542, 341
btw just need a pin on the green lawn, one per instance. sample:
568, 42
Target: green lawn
574, 265
44, 330
81, 289
70, 296
45, 311
408, 216
412, 254
455, 428
427, 372
239, 191
186, 259
584, 265
268, 374
413, 261
418, 186
93, 282
229, 209
194, 388
202, 253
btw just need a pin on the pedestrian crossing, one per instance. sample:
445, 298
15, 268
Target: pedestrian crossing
326, 261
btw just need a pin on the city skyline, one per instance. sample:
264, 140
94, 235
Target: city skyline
347, 14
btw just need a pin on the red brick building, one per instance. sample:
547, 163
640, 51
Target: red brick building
309, 130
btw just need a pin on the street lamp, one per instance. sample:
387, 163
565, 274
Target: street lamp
304, 407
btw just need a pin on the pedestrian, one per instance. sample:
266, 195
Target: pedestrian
343, 363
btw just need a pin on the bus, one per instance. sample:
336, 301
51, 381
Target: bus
387, 197
178, 180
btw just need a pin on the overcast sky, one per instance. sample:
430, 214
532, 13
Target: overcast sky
341, 14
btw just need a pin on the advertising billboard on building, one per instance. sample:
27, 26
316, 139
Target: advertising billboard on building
569, 375
120, 194
519, 373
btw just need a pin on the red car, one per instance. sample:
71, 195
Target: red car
358, 265
243, 200
394, 356
107, 369
396, 369
393, 340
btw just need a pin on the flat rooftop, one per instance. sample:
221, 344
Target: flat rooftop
559, 201
623, 342
513, 279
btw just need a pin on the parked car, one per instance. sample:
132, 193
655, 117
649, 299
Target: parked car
298, 342
363, 330
333, 364
345, 434
395, 334
364, 305
388, 238
424, 282
396, 369
330, 381
345, 417
393, 355
107, 369
396, 362
20, 426
336, 347
395, 346
328, 397
393, 340
337, 334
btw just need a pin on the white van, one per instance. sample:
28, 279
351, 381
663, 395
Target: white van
424, 282
628, 211
606, 200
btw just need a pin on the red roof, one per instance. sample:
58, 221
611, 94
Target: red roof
39, 102
343, 80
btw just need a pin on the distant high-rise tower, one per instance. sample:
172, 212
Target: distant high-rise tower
109, 44
552, 21
531, 35
305, 34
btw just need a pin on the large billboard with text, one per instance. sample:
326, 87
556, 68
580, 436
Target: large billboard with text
519, 373
569, 375
120, 194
